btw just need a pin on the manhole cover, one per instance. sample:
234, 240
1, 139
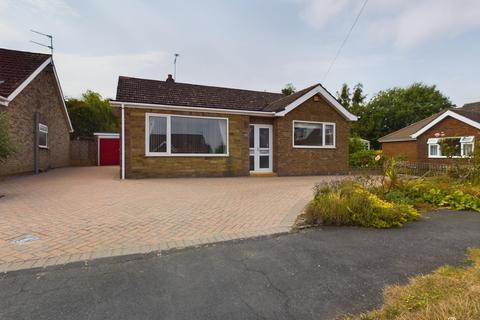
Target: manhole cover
26, 238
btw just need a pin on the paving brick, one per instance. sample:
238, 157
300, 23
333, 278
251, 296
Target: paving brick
76, 212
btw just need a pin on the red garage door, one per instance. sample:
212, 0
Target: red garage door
109, 151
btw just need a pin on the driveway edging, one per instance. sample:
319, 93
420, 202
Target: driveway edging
160, 247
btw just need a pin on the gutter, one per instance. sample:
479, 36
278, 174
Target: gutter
121, 104
4, 101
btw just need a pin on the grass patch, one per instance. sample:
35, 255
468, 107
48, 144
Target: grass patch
447, 293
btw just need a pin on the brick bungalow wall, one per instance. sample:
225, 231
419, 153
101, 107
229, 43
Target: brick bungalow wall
300, 161
452, 128
403, 148
40, 95
140, 166
286, 159
417, 150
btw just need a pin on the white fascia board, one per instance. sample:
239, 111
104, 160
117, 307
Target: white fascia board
443, 116
29, 79
62, 98
106, 134
318, 90
195, 109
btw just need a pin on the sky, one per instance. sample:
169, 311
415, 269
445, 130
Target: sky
255, 44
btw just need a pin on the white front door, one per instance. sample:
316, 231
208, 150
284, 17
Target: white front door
261, 148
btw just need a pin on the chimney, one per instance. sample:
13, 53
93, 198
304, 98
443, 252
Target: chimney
170, 79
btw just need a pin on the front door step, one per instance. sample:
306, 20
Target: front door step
263, 174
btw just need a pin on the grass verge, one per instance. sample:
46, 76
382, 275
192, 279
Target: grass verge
449, 293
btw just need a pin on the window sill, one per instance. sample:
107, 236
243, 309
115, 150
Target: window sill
189, 155
314, 147
43, 147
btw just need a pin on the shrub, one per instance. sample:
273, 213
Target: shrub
436, 192
367, 158
349, 203
355, 144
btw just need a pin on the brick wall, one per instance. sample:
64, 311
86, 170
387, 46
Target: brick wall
140, 166
404, 148
83, 152
300, 161
40, 95
452, 128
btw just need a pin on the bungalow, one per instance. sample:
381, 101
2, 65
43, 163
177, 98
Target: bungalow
171, 129
32, 99
420, 141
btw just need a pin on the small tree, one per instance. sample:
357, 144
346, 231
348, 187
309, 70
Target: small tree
289, 89
91, 114
6, 145
344, 96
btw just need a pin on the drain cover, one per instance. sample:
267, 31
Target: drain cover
26, 238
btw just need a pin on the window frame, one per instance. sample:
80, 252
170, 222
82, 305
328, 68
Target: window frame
434, 141
168, 152
43, 128
323, 146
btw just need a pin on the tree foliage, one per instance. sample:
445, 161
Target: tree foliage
289, 89
6, 146
396, 108
391, 109
91, 114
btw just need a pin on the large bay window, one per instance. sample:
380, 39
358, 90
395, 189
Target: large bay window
458, 147
172, 135
309, 134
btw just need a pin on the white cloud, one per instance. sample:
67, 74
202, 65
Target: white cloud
100, 73
51, 7
406, 23
318, 13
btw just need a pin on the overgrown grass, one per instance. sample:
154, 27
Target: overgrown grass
350, 203
447, 293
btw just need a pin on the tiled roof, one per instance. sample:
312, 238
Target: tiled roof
472, 106
404, 134
136, 90
16, 67
191, 95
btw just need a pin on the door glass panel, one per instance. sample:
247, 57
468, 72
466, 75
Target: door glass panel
264, 162
252, 137
252, 163
264, 137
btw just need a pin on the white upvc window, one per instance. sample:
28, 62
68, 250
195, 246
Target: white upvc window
312, 134
42, 136
178, 135
465, 146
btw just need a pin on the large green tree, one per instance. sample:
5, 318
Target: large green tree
395, 108
91, 113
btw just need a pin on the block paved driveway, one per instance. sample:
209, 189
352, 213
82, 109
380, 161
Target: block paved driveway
84, 213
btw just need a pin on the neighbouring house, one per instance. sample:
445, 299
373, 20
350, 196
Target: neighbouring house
171, 129
31, 96
422, 140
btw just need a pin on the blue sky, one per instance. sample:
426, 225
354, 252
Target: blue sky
259, 45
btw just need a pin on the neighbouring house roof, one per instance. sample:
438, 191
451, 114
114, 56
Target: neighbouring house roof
170, 93
411, 132
475, 106
18, 69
